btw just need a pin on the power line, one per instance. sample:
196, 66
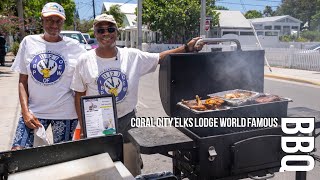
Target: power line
268, 1
257, 0
242, 4
125, 2
223, 2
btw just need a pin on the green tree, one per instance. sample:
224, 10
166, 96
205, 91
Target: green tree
268, 12
178, 20
9, 22
221, 8
32, 11
311, 35
304, 10
8, 7
85, 25
251, 14
117, 14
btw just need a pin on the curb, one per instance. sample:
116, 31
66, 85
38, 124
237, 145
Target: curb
292, 79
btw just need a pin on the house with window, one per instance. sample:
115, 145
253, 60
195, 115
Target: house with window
127, 9
232, 22
286, 25
129, 31
234, 25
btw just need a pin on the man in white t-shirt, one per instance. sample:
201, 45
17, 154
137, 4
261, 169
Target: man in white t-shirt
111, 70
46, 64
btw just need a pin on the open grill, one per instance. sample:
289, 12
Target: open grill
213, 152
221, 153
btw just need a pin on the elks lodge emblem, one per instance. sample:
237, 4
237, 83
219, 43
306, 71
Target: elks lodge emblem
47, 68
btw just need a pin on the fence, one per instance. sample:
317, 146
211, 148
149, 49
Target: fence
281, 57
293, 58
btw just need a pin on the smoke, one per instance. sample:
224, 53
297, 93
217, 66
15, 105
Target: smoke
237, 70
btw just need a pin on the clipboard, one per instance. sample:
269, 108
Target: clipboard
99, 115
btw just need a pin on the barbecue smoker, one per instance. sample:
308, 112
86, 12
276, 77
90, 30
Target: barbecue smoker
215, 153
221, 152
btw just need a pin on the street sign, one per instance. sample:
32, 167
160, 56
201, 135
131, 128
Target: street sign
207, 25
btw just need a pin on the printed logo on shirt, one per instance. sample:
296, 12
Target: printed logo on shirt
113, 81
47, 68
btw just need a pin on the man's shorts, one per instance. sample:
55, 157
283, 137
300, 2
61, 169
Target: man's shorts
124, 125
62, 130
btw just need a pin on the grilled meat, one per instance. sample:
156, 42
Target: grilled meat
267, 98
202, 105
237, 95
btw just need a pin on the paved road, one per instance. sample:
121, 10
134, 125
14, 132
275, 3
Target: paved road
302, 94
149, 105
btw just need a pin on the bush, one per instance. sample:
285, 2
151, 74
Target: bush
311, 35
292, 38
14, 48
287, 38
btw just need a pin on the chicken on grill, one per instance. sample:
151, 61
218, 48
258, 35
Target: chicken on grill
202, 105
237, 95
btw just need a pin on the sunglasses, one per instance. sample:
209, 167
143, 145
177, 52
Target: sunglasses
103, 30
52, 21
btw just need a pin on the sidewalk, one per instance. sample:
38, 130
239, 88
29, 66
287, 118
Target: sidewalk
10, 108
296, 75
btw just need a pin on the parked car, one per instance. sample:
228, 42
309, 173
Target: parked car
86, 36
78, 36
315, 47
93, 42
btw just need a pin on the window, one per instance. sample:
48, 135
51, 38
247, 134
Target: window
258, 26
295, 27
246, 33
286, 30
259, 33
270, 33
277, 27
230, 32
268, 27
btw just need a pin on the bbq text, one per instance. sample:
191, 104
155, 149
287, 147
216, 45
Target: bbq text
299, 131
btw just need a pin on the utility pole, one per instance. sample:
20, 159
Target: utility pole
139, 25
20, 15
94, 9
202, 18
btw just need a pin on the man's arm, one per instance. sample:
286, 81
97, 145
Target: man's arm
183, 49
30, 120
78, 107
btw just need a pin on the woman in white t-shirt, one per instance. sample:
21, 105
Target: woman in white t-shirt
46, 64
111, 70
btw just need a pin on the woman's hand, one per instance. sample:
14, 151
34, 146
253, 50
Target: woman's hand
31, 121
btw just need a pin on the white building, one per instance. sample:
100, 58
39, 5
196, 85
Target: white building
286, 24
127, 9
233, 22
128, 33
233, 25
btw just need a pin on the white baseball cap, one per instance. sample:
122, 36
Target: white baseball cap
53, 8
104, 18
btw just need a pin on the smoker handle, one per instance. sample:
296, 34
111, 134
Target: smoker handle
267, 176
212, 40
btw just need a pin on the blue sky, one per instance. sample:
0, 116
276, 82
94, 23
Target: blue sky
86, 12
